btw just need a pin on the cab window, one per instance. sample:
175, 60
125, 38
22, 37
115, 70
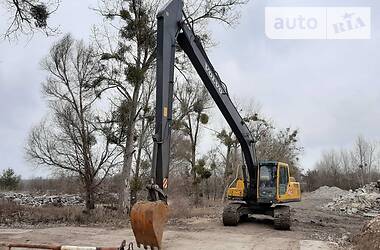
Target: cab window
283, 180
267, 174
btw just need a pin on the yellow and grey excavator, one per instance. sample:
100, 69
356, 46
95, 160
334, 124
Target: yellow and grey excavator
265, 186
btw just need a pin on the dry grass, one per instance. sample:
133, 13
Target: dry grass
14, 215
182, 208
179, 208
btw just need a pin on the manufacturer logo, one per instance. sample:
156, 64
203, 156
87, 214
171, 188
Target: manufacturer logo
214, 79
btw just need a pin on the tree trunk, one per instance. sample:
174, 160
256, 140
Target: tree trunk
195, 188
124, 188
89, 196
215, 186
195, 184
133, 198
136, 177
228, 172
124, 195
228, 167
207, 189
90, 202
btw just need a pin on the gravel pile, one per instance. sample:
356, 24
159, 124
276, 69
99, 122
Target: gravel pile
362, 201
44, 200
326, 192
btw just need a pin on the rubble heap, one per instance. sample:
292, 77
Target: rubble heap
326, 192
362, 201
369, 237
44, 200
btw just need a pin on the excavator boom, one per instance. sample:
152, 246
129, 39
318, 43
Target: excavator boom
148, 217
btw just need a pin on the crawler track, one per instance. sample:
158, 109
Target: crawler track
282, 220
231, 214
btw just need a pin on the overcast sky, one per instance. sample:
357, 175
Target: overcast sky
328, 89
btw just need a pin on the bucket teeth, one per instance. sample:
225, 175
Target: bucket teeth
147, 246
148, 220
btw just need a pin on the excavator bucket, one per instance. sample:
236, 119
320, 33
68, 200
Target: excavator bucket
148, 220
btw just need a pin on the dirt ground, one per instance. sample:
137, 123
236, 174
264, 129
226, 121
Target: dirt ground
313, 228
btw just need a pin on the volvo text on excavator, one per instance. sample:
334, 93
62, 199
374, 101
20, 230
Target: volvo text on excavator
265, 185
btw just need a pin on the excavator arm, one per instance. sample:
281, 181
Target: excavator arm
191, 45
173, 28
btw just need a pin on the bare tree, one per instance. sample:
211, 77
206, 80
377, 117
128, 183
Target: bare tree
70, 138
144, 130
28, 16
363, 157
217, 167
127, 67
331, 166
228, 139
193, 103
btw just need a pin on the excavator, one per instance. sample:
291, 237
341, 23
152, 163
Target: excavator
265, 187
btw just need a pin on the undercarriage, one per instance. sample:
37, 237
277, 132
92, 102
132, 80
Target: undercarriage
236, 212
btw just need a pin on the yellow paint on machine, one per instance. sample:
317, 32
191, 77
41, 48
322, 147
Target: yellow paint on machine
237, 191
165, 111
293, 189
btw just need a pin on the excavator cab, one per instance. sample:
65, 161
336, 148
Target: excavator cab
274, 185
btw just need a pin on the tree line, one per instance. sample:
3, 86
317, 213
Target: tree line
346, 168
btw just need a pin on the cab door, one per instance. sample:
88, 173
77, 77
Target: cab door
288, 190
282, 181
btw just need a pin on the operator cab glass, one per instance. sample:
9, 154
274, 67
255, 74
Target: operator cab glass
267, 181
283, 180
